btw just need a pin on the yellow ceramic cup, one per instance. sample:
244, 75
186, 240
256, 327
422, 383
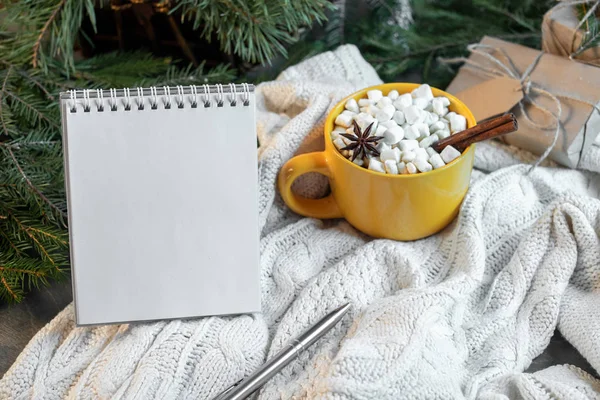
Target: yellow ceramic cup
401, 207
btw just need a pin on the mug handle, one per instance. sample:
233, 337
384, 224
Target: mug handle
315, 208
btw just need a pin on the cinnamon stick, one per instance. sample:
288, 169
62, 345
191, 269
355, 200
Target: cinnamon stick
486, 130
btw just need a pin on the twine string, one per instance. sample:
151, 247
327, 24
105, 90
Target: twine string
528, 88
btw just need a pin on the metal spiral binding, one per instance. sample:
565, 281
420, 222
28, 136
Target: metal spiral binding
187, 96
113, 100
153, 98
194, 93
233, 94
140, 98
206, 96
167, 97
99, 100
219, 95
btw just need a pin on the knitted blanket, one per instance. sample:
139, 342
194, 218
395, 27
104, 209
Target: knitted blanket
457, 315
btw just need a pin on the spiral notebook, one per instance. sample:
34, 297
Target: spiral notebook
162, 198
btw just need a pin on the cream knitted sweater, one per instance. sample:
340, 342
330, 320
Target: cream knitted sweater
457, 315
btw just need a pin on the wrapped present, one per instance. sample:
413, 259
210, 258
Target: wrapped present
564, 32
555, 99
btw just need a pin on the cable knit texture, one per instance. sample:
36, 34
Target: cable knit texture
457, 315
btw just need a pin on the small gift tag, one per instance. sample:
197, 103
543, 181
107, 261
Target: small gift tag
492, 97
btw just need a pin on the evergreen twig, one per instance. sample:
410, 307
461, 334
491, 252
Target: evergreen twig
30, 184
43, 31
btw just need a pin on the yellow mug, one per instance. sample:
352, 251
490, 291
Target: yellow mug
400, 207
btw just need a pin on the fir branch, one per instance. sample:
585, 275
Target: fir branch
21, 271
36, 83
4, 125
30, 184
502, 11
31, 108
37, 242
591, 36
449, 45
256, 30
9, 241
43, 31
9, 290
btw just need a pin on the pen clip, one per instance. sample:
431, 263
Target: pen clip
221, 395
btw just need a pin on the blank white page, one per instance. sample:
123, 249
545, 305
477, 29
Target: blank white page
162, 210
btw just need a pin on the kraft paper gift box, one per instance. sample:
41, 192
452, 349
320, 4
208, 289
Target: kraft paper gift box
560, 35
489, 83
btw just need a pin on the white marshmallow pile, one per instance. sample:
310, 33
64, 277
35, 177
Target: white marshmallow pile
409, 124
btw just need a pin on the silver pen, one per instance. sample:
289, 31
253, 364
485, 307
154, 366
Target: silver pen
252, 383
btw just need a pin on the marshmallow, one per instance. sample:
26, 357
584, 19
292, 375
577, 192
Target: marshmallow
449, 154
401, 167
352, 105
363, 120
408, 156
339, 143
385, 101
375, 165
436, 126
458, 123
393, 135
379, 131
422, 128
431, 118
408, 145
428, 141
449, 115
442, 133
370, 109
385, 114
436, 161
421, 153
403, 101
374, 95
399, 117
382, 146
445, 100
410, 168
391, 167
413, 115
344, 120
438, 106
420, 102
422, 165
412, 132
391, 154
389, 124
423, 91
431, 151
409, 125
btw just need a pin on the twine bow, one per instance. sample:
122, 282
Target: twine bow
508, 69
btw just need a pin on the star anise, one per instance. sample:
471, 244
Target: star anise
362, 142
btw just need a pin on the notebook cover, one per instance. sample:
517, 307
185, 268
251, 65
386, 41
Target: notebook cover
163, 210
